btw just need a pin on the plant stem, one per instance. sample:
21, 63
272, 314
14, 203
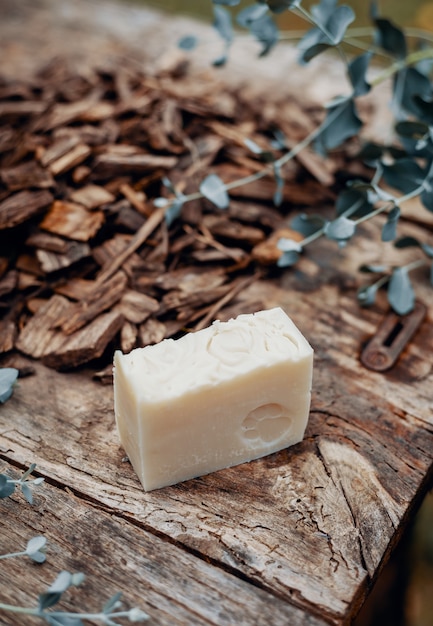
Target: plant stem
11, 608
12, 555
397, 66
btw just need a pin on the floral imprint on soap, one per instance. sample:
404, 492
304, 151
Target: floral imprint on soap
267, 423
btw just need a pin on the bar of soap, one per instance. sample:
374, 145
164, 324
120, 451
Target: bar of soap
224, 395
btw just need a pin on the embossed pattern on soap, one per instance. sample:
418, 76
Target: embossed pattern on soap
228, 394
206, 358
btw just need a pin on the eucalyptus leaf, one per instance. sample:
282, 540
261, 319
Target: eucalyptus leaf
413, 90
313, 51
189, 42
357, 70
48, 599
77, 578
400, 293
28, 471
337, 23
213, 188
367, 294
266, 32
112, 603
288, 258
353, 202
279, 6
341, 123
161, 202
389, 230
323, 11
340, 229
228, 3
137, 615
251, 145
370, 152
250, 14
62, 582
412, 129
221, 60
390, 37
8, 376
35, 544
174, 210
278, 195
38, 557
427, 199
405, 175
373, 269
407, 242
7, 487
428, 250
223, 23
27, 492
307, 224
289, 245
333, 24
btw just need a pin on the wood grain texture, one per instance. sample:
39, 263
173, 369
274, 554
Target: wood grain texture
296, 538
312, 524
168, 582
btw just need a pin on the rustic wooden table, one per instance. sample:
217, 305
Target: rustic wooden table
295, 538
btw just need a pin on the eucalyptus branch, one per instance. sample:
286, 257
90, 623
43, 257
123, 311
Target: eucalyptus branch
74, 619
8, 485
35, 549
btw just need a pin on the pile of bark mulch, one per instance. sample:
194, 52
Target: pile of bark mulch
87, 262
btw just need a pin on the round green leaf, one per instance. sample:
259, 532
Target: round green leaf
401, 296
7, 487
213, 188
8, 376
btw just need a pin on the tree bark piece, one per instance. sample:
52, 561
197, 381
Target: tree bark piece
21, 206
72, 220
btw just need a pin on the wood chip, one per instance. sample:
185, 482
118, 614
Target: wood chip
137, 307
86, 344
108, 165
8, 333
69, 160
53, 262
72, 220
100, 299
152, 331
26, 175
87, 257
92, 196
39, 339
21, 206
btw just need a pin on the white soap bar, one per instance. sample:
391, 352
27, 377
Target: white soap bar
224, 395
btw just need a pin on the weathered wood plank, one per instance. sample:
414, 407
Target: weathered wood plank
340, 496
169, 583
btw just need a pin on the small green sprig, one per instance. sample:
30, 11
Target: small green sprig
8, 484
406, 165
108, 615
35, 550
